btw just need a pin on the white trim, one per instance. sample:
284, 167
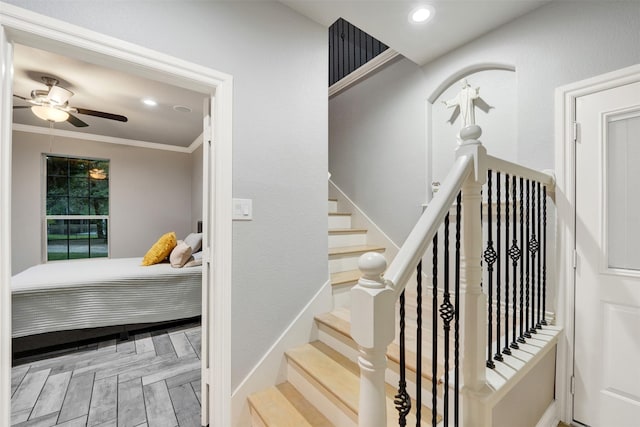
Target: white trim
466, 71
103, 138
565, 99
271, 369
195, 144
6, 55
550, 418
29, 28
360, 73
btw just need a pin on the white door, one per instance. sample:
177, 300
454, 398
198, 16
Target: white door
607, 276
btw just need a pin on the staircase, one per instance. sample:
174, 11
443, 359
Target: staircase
323, 377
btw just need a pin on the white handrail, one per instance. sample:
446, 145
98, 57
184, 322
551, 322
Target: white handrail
420, 238
514, 169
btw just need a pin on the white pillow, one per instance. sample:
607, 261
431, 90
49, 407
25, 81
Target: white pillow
195, 241
180, 255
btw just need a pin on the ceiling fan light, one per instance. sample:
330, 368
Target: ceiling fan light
59, 95
50, 114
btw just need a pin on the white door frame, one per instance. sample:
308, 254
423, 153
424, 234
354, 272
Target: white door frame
29, 28
565, 98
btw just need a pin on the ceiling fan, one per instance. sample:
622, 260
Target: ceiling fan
53, 105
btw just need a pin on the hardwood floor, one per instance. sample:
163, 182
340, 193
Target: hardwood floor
152, 379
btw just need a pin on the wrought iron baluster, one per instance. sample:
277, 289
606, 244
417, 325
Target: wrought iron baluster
523, 253
533, 248
526, 243
498, 355
544, 256
506, 349
434, 341
419, 344
514, 253
446, 313
402, 401
456, 324
490, 258
538, 275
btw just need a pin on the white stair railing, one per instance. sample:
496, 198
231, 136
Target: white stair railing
374, 297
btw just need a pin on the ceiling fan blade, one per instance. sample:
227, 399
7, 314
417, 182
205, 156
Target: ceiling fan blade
102, 114
21, 97
17, 107
76, 121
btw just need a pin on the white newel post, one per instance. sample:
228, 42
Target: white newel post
473, 300
373, 329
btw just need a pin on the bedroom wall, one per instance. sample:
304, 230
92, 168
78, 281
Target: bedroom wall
279, 62
379, 124
150, 194
196, 187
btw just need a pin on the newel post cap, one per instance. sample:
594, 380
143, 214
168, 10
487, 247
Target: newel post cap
372, 265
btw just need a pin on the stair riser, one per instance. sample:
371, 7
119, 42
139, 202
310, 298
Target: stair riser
341, 295
343, 263
355, 239
339, 221
328, 405
333, 206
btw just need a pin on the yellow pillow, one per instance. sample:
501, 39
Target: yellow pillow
160, 249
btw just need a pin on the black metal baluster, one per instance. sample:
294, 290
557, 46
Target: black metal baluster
456, 324
402, 400
489, 257
539, 281
446, 313
498, 355
544, 256
514, 253
523, 252
527, 250
434, 341
506, 349
419, 344
533, 248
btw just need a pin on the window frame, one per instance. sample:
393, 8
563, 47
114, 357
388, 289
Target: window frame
43, 194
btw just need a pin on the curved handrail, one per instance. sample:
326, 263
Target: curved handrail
420, 238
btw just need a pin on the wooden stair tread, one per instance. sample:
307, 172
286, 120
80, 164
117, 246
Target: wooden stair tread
337, 231
275, 409
339, 214
346, 250
340, 377
345, 277
308, 411
333, 200
343, 327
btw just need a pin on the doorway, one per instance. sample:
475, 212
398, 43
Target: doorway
27, 28
607, 273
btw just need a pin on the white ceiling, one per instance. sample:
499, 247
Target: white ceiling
108, 90
454, 23
97, 87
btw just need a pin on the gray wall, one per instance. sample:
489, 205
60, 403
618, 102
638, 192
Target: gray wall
150, 194
557, 44
279, 63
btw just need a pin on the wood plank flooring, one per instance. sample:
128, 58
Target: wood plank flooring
152, 379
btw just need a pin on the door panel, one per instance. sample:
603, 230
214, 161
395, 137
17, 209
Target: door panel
607, 294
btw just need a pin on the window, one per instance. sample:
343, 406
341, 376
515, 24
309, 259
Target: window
76, 208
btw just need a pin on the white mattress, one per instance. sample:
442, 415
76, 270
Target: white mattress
102, 292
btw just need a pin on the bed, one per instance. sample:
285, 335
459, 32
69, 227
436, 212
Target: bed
94, 293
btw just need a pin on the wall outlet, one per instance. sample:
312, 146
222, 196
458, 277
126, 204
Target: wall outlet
242, 209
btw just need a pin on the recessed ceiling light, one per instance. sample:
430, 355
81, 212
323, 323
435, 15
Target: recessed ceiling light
182, 108
421, 14
150, 102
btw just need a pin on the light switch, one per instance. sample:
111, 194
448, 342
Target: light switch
242, 209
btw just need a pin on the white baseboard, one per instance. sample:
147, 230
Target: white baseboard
271, 369
551, 416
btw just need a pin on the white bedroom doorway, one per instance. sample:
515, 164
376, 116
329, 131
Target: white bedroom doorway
30, 29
